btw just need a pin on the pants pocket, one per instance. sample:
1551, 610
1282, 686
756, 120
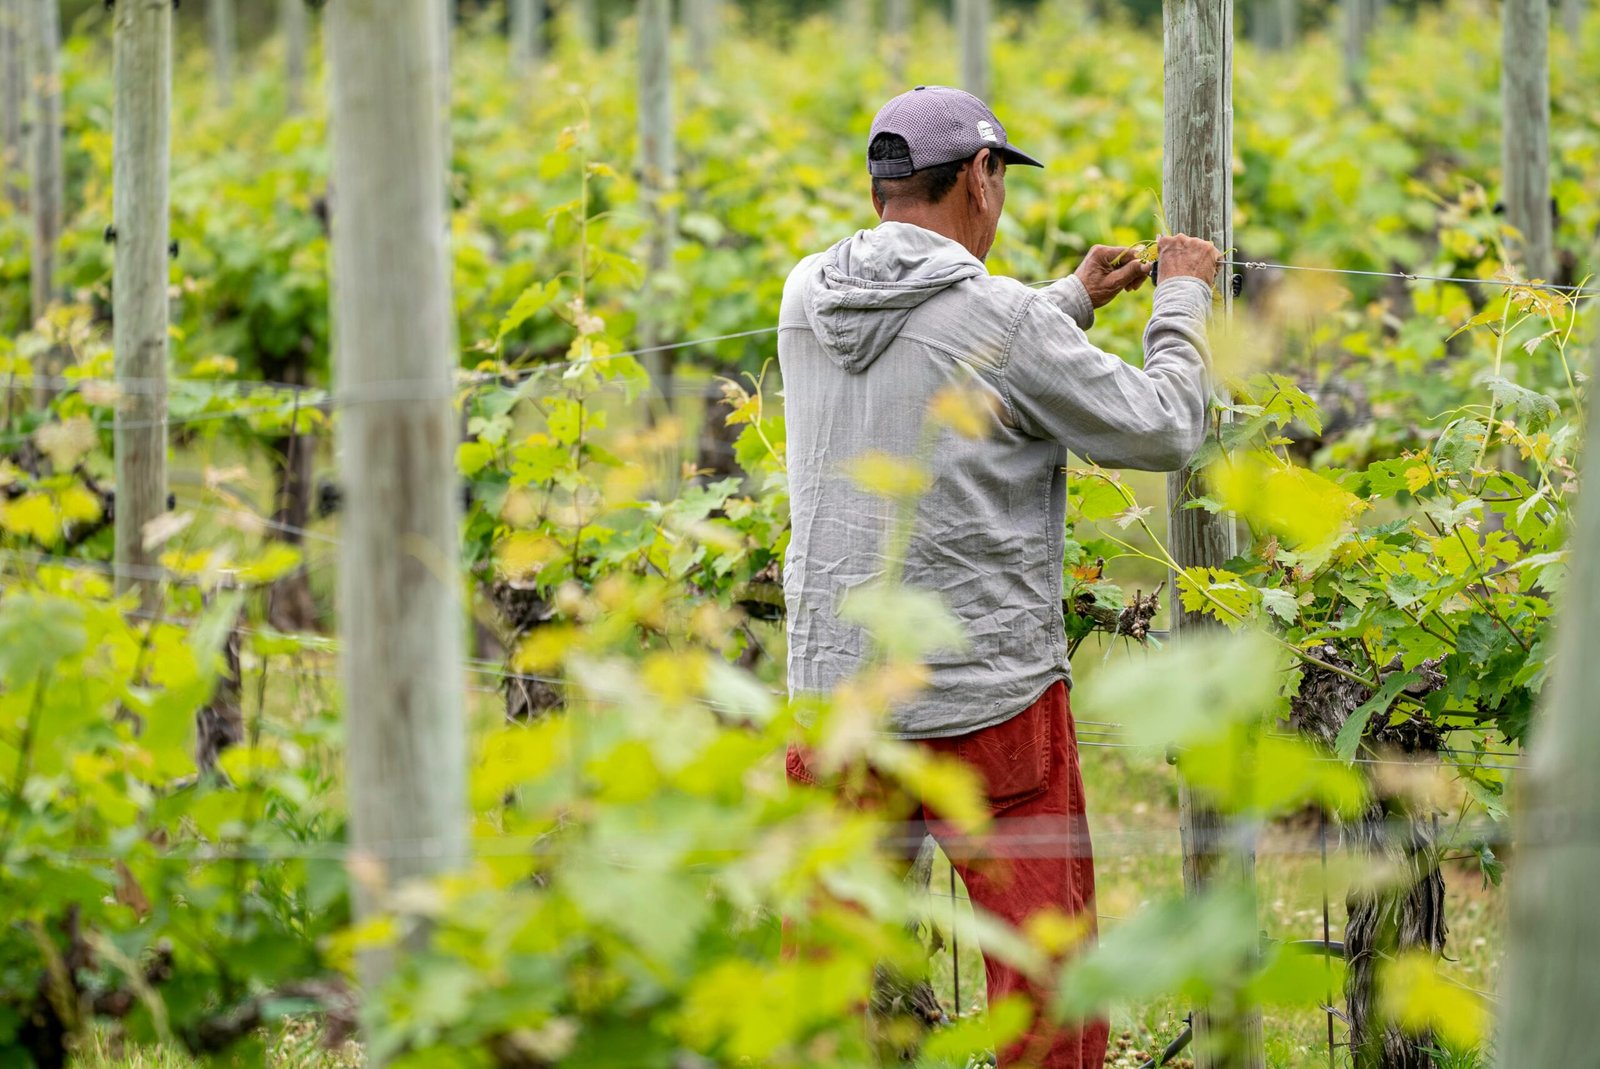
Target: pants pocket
1014, 758
797, 767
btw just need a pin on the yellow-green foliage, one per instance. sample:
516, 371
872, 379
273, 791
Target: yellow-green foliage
635, 848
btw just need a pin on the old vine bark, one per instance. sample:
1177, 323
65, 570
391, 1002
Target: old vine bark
1397, 834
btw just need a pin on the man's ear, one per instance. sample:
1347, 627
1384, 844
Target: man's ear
977, 168
878, 203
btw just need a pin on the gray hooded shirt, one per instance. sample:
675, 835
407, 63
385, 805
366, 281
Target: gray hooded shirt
870, 331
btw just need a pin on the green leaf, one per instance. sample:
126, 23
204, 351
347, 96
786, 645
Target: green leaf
275, 561
1280, 603
1460, 444
1182, 946
1186, 693
1221, 593
1266, 776
1489, 795
473, 456
1349, 737
972, 1035
1532, 411
1386, 478
904, 621
36, 633
1098, 497
1297, 976
533, 300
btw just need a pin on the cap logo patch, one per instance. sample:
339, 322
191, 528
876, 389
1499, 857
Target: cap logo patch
986, 131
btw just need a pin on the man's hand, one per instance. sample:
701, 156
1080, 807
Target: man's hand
1108, 270
1183, 255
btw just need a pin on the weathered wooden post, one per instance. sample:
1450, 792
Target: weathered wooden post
853, 18
1551, 984
1288, 23
292, 23
400, 617
658, 170
443, 41
1353, 31
584, 24
141, 158
972, 27
13, 90
700, 17
527, 35
220, 30
1076, 14
1572, 19
1264, 24
1197, 190
897, 30
1525, 133
44, 153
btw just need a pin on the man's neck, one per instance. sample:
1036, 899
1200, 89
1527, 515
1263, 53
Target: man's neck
937, 218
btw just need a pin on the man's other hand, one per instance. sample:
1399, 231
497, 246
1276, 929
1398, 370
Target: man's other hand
1183, 255
1108, 270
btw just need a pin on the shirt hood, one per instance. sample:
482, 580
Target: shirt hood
865, 288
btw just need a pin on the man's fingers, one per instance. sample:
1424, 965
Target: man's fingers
1109, 255
1129, 276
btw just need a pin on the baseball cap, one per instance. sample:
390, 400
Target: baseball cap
942, 125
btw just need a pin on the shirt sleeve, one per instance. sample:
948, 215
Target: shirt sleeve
1061, 387
1072, 298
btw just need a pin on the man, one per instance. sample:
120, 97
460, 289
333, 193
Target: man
870, 331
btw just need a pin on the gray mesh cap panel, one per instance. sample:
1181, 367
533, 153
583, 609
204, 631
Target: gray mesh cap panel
941, 124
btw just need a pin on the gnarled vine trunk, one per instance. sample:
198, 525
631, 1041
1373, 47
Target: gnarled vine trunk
1404, 910
1403, 914
292, 607
522, 609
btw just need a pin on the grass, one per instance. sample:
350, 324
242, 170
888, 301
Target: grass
298, 1046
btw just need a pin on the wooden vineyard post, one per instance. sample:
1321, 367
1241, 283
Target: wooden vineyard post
443, 43
1525, 132
1264, 25
13, 88
858, 19
701, 18
1353, 31
972, 28
1197, 190
400, 615
1572, 18
658, 176
897, 31
584, 24
1077, 15
1552, 984
292, 19
141, 154
1288, 23
44, 154
527, 35
220, 30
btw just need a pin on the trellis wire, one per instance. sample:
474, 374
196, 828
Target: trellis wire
1006, 838
395, 390
1412, 276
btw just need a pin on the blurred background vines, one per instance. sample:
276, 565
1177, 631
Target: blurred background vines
1401, 455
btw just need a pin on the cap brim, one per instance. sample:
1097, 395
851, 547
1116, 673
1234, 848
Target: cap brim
1013, 155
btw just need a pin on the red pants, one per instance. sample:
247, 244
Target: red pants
1029, 765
